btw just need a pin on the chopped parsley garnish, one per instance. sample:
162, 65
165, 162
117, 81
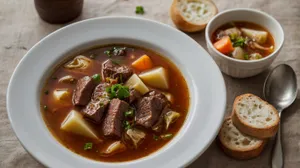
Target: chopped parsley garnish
155, 137
139, 10
97, 78
166, 136
129, 113
88, 146
239, 42
116, 51
246, 56
119, 51
127, 125
108, 53
45, 108
118, 91
54, 77
46, 92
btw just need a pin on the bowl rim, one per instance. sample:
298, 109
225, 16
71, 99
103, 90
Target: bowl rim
206, 143
208, 40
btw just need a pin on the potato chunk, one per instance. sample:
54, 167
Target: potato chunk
75, 123
135, 82
169, 96
67, 79
135, 136
114, 148
256, 35
156, 77
62, 96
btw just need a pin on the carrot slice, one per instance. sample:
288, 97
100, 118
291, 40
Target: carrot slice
224, 45
143, 63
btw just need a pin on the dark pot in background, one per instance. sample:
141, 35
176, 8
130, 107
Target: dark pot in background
58, 11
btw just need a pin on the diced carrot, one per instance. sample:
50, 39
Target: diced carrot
224, 45
143, 63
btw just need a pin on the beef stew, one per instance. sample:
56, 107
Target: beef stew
103, 104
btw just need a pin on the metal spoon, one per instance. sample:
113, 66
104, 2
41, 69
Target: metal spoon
280, 90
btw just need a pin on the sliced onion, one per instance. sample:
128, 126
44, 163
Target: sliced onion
79, 62
67, 79
135, 136
170, 118
114, 148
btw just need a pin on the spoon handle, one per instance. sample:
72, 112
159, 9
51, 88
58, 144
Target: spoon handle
277, 157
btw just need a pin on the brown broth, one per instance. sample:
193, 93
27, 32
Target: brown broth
240, 24
55, 113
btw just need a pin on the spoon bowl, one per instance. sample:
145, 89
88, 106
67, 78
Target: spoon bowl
280, 88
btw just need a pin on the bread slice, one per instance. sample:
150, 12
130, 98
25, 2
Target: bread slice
255, 117
238, 145
192, 15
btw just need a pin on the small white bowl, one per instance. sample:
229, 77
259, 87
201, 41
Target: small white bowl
244, 68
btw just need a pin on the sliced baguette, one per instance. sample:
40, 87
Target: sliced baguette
192, 15
255, 117
238, 145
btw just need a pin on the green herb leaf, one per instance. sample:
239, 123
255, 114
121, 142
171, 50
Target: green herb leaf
88, 146
246, 56
129, 113
108, 89
233, 36
239, 42
46, 92
127, 125
155, 137
118, 91
108, 53
123, 92
166, 136
45, 108
139, 10
97, 78
54, 77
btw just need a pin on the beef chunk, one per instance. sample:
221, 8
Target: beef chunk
112, 124
83, 91
159, 125
98, 104
149, 108
115, 71
134, 95
100, 91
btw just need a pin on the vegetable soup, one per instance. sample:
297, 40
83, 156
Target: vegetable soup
243, 40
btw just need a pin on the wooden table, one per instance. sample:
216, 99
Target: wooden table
21, 28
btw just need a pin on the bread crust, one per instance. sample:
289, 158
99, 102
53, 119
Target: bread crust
183, 24
241, 154
244, 127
